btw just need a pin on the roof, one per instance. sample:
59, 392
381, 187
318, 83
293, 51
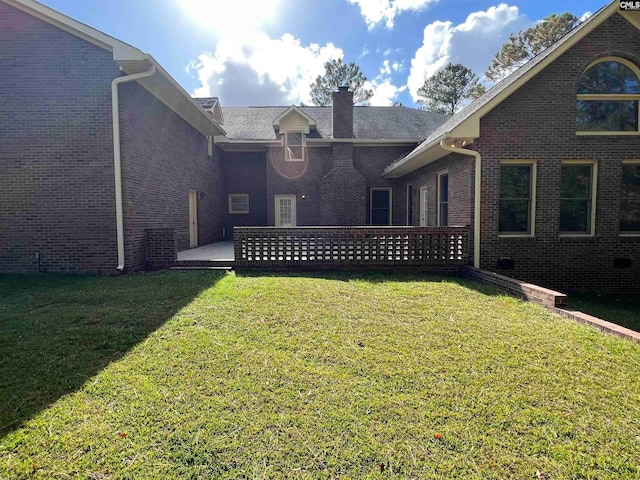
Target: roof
466, 123
131, 60
369, 123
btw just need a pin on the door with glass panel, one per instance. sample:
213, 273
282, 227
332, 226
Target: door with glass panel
285, 209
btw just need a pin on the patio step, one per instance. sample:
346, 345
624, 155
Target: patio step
203, 265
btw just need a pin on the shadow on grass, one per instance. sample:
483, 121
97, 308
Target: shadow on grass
57, 331
377, 276
623, 310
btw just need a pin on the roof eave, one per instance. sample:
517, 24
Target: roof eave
469, 127
131, 60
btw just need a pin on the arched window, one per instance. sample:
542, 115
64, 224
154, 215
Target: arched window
607, 97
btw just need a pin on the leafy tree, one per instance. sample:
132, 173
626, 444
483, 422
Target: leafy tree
338, 74
528, 43
444, 92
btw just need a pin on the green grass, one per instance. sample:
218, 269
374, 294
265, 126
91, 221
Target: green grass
620, 309
207, 375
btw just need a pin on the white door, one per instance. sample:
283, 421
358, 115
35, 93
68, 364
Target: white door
193, 218
285, 210
423, 206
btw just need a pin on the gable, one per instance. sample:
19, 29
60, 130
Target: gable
294, 122
465, 124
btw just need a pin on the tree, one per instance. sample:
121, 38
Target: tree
528, 43
444, 92
336, 75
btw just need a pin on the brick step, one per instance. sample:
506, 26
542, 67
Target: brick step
203, 264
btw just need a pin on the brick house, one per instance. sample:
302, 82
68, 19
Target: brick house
544, 168
77, 194
558, 147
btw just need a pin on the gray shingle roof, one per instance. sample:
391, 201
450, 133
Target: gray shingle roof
371, 123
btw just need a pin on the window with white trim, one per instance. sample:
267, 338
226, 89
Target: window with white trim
577, 197
238, 203
607, 98
443, 199
630, 199
294, 146
517, 197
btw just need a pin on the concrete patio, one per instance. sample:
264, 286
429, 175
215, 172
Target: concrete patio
214, 252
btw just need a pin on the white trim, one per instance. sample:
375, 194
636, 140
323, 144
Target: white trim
388, 189
604, 97
469, 126
424, 206
594, 189
193, 218
293, 108
532, 206
230, 208
132, 61
288, 153
278, 213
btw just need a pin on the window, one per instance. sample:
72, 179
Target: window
443, 199
577, 203
630, 202
607, 100
380, 202
238, 203
517, 198
294, 147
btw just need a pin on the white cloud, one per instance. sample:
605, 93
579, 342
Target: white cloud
385, 69
384, 92
376, 11
472, 43
585, 16
253, 69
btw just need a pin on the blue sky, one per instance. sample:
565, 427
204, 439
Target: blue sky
267, 52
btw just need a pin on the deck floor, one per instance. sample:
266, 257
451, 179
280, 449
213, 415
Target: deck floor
214, 251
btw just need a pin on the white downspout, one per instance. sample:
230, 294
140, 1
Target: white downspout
478, 183
117, 164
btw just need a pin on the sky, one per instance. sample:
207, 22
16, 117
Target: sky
268, 52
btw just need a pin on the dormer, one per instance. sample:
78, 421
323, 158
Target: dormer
292, 126
211, 105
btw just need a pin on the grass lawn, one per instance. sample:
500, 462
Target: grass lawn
213, 375
621, 309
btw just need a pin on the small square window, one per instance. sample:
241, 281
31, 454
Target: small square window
238, 203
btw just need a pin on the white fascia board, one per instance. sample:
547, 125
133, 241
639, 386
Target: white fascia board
469, 128
293, 108
131, 59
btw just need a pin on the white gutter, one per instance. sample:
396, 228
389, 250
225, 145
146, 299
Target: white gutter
478, 183
117, 164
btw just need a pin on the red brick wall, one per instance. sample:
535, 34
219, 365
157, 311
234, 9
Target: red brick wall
538, 122
461, 179
163, 157
56, 154
245, 172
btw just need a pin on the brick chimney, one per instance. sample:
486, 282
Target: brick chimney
342, 113
343, 191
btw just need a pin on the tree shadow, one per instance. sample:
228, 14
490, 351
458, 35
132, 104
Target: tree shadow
57, 331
